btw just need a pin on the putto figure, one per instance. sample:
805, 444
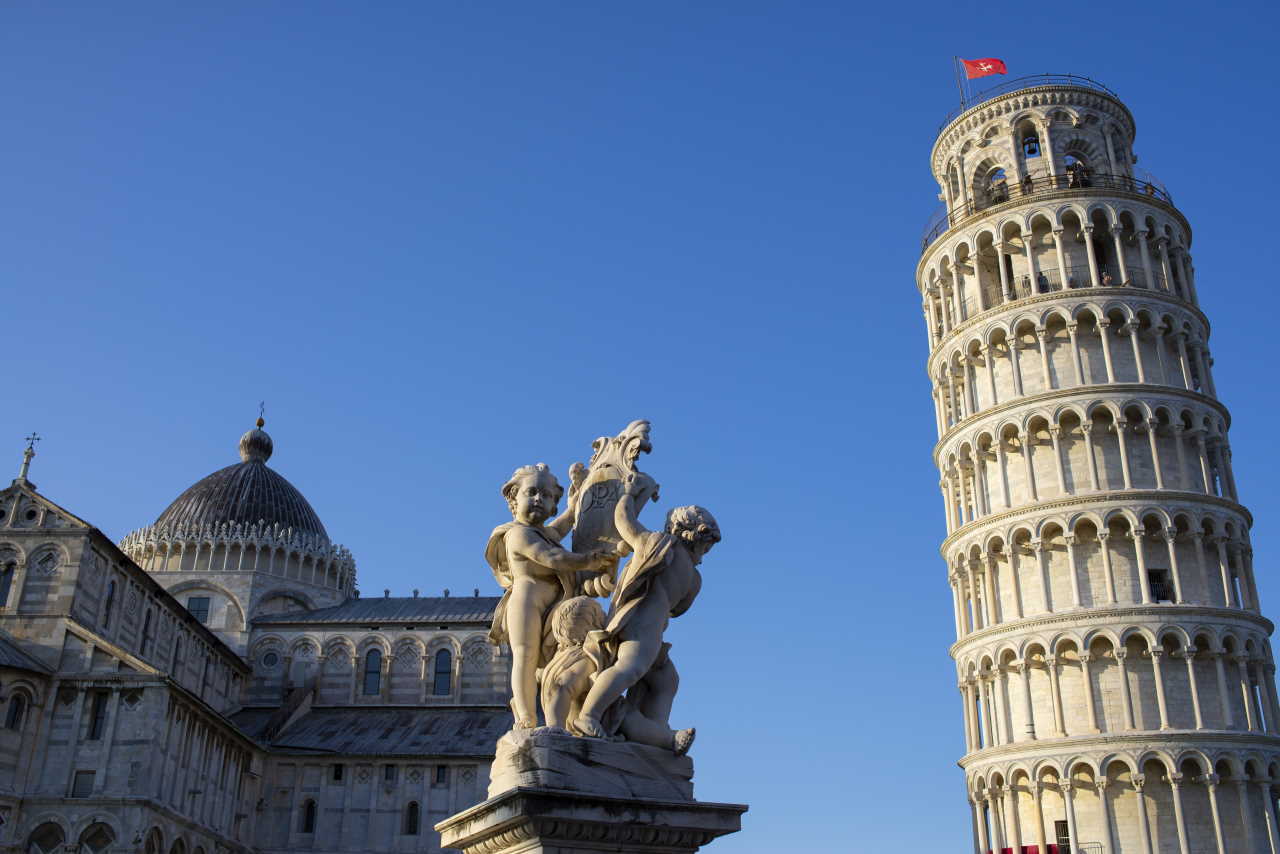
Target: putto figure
536, 574
567, 677
659, 582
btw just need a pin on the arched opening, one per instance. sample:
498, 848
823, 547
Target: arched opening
1078, 171
412, 819
308, 823
96, 838
443, 681
145, 644
16, 712
373, 673
8, 566
154, 843
109, 604
46, 839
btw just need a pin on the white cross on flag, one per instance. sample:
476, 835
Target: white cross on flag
982, 67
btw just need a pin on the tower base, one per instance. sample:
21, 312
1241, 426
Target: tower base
550, 821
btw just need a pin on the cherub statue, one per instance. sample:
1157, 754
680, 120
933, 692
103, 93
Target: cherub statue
567, 677
659, 582
536, 573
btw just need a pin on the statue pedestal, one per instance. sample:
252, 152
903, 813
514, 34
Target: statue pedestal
551, 821
553, 793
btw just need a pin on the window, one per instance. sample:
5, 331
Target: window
98, 715
146, 634
389, 773
199, 608
177, 657
373, 673
442, 775
97, 838
337, 773
1161, 589
82, 784
111, 601
46, 838
411, 819
17, 708
1061, 830
444, 673
309, 816
6, 581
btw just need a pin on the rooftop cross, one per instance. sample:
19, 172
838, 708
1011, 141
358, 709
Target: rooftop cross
27, 455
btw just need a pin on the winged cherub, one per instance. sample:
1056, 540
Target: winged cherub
659, 582
536, 573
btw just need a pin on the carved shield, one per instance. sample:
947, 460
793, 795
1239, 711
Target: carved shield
612, 463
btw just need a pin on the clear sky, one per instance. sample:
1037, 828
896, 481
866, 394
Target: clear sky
445, 239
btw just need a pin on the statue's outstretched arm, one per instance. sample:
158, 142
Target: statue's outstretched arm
543, 553
624, 519
563, 523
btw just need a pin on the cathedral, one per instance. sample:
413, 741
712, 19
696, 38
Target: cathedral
216, 683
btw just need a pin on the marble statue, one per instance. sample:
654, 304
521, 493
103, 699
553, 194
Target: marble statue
536, 573
566, 679
659, 582
603, 677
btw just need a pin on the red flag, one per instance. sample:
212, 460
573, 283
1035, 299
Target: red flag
982, 67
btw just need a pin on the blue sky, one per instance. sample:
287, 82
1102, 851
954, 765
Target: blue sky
444, 239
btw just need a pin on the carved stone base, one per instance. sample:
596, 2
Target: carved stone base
547, 758
546, 821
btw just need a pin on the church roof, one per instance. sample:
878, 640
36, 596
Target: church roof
245, 493
393, 609
11, 655
387, 731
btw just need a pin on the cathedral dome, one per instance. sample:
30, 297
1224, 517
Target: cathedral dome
245, 493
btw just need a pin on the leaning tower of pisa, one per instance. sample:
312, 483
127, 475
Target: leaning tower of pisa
1114, 669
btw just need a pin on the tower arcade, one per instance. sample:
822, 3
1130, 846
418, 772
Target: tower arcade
1114, 668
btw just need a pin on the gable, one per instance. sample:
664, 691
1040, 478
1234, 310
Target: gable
22, 508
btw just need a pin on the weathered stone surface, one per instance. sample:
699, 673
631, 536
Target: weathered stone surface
544, 821
550, 758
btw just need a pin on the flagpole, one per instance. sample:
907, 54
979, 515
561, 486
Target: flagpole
955, 62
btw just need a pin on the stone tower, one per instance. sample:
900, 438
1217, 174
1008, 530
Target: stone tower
1115, 673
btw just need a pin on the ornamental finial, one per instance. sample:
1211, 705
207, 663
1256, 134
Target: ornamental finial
27, 454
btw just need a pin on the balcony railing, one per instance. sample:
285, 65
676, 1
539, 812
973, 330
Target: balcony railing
1028, 82
1029, 187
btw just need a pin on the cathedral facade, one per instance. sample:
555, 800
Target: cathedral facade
215, 682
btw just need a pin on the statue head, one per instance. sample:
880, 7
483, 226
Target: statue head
533, 494
574, 618
695, 527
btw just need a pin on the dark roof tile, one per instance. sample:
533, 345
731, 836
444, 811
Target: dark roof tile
394, 609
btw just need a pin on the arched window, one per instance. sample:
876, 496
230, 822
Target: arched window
373, 673
154, 844
46, 838
411, 819
96, 838
7, 569
444, 673
111, 600
308, 818
146, 634
17, 711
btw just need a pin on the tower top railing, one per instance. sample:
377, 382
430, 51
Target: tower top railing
1028, 82
1012, 191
